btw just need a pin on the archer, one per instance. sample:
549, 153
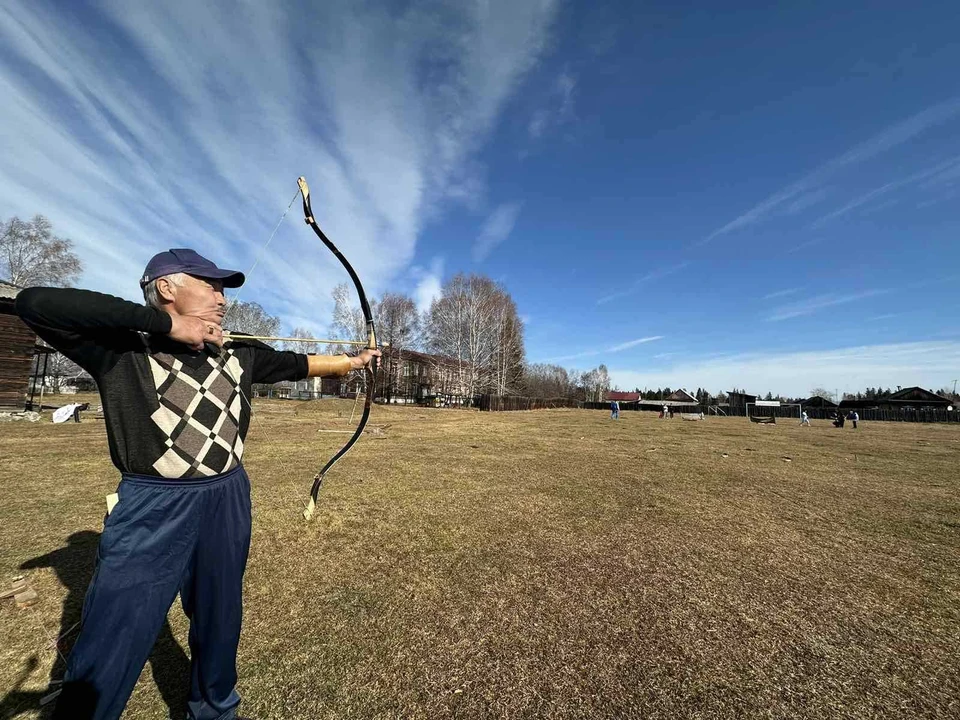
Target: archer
174, 401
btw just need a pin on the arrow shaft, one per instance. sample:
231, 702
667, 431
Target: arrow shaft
231, 336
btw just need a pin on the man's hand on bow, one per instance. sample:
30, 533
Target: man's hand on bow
363, 358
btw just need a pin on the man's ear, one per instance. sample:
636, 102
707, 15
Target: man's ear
166, 289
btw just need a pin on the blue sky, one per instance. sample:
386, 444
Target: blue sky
767, 197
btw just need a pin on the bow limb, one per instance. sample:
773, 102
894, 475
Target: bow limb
371, 344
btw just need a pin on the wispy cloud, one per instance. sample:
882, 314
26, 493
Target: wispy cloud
927, 364
634, 343
819, 302
883, 141
427, 283
605, 351
558, 107
781, 293
806, 200
804, 245
887, 188
177, 123
496, 229
641, 281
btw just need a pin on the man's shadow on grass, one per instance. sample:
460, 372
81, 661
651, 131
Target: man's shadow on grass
74, 564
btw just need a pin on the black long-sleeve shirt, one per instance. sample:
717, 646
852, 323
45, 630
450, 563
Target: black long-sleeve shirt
170, 411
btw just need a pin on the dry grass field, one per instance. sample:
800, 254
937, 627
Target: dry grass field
550, 564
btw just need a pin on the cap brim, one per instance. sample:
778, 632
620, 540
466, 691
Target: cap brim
230, 278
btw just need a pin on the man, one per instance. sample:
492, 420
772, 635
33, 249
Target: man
804, 419
175, 404
855, 417
614, 410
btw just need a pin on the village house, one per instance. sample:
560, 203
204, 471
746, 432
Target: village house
677, 401
17, 343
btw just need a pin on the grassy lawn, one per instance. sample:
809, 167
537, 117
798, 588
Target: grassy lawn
550, 564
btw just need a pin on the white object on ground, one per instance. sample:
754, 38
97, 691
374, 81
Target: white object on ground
65, 413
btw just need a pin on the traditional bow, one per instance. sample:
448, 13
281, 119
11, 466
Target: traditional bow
371, 344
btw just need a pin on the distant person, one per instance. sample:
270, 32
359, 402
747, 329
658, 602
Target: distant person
854, 416
666, 410
838, 423
804, 419
614, 410
78, 409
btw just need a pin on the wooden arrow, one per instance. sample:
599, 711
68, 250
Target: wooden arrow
231, 336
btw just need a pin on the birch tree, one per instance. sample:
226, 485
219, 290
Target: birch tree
30, 254
475, 323
596, 384
304, 347
541, 380
398, 327
250, 318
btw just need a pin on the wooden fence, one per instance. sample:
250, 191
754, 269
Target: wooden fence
930, 415
500, 403
927, 415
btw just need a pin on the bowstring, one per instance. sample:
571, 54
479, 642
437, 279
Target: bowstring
233, 301
263, 250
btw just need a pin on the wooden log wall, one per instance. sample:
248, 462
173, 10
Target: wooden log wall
16, 355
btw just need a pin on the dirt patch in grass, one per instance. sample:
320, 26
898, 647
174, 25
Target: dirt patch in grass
548, 564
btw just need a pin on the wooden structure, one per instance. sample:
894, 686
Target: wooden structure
682, 396
409, 376
17, 343
911, 398
818, 402
500, 403
738, 401
623, 397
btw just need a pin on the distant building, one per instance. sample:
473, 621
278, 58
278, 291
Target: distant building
623, 397
818, 401
679, 401
408, 376
17, 343
911, 398
681, 396
739, 400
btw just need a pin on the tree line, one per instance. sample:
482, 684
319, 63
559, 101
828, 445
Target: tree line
473, 327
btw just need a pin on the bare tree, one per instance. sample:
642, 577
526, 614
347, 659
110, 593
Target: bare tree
398, 325
550, 381
57, 369
304, 347
596, 384
475, 323
250, 318
821, 392
508, 356
30, 254
348, 318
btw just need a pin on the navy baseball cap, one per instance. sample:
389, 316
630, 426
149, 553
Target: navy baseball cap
177, 260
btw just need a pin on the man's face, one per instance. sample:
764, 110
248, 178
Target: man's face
200, 297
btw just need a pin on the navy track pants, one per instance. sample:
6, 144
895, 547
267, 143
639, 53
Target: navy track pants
163, 537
